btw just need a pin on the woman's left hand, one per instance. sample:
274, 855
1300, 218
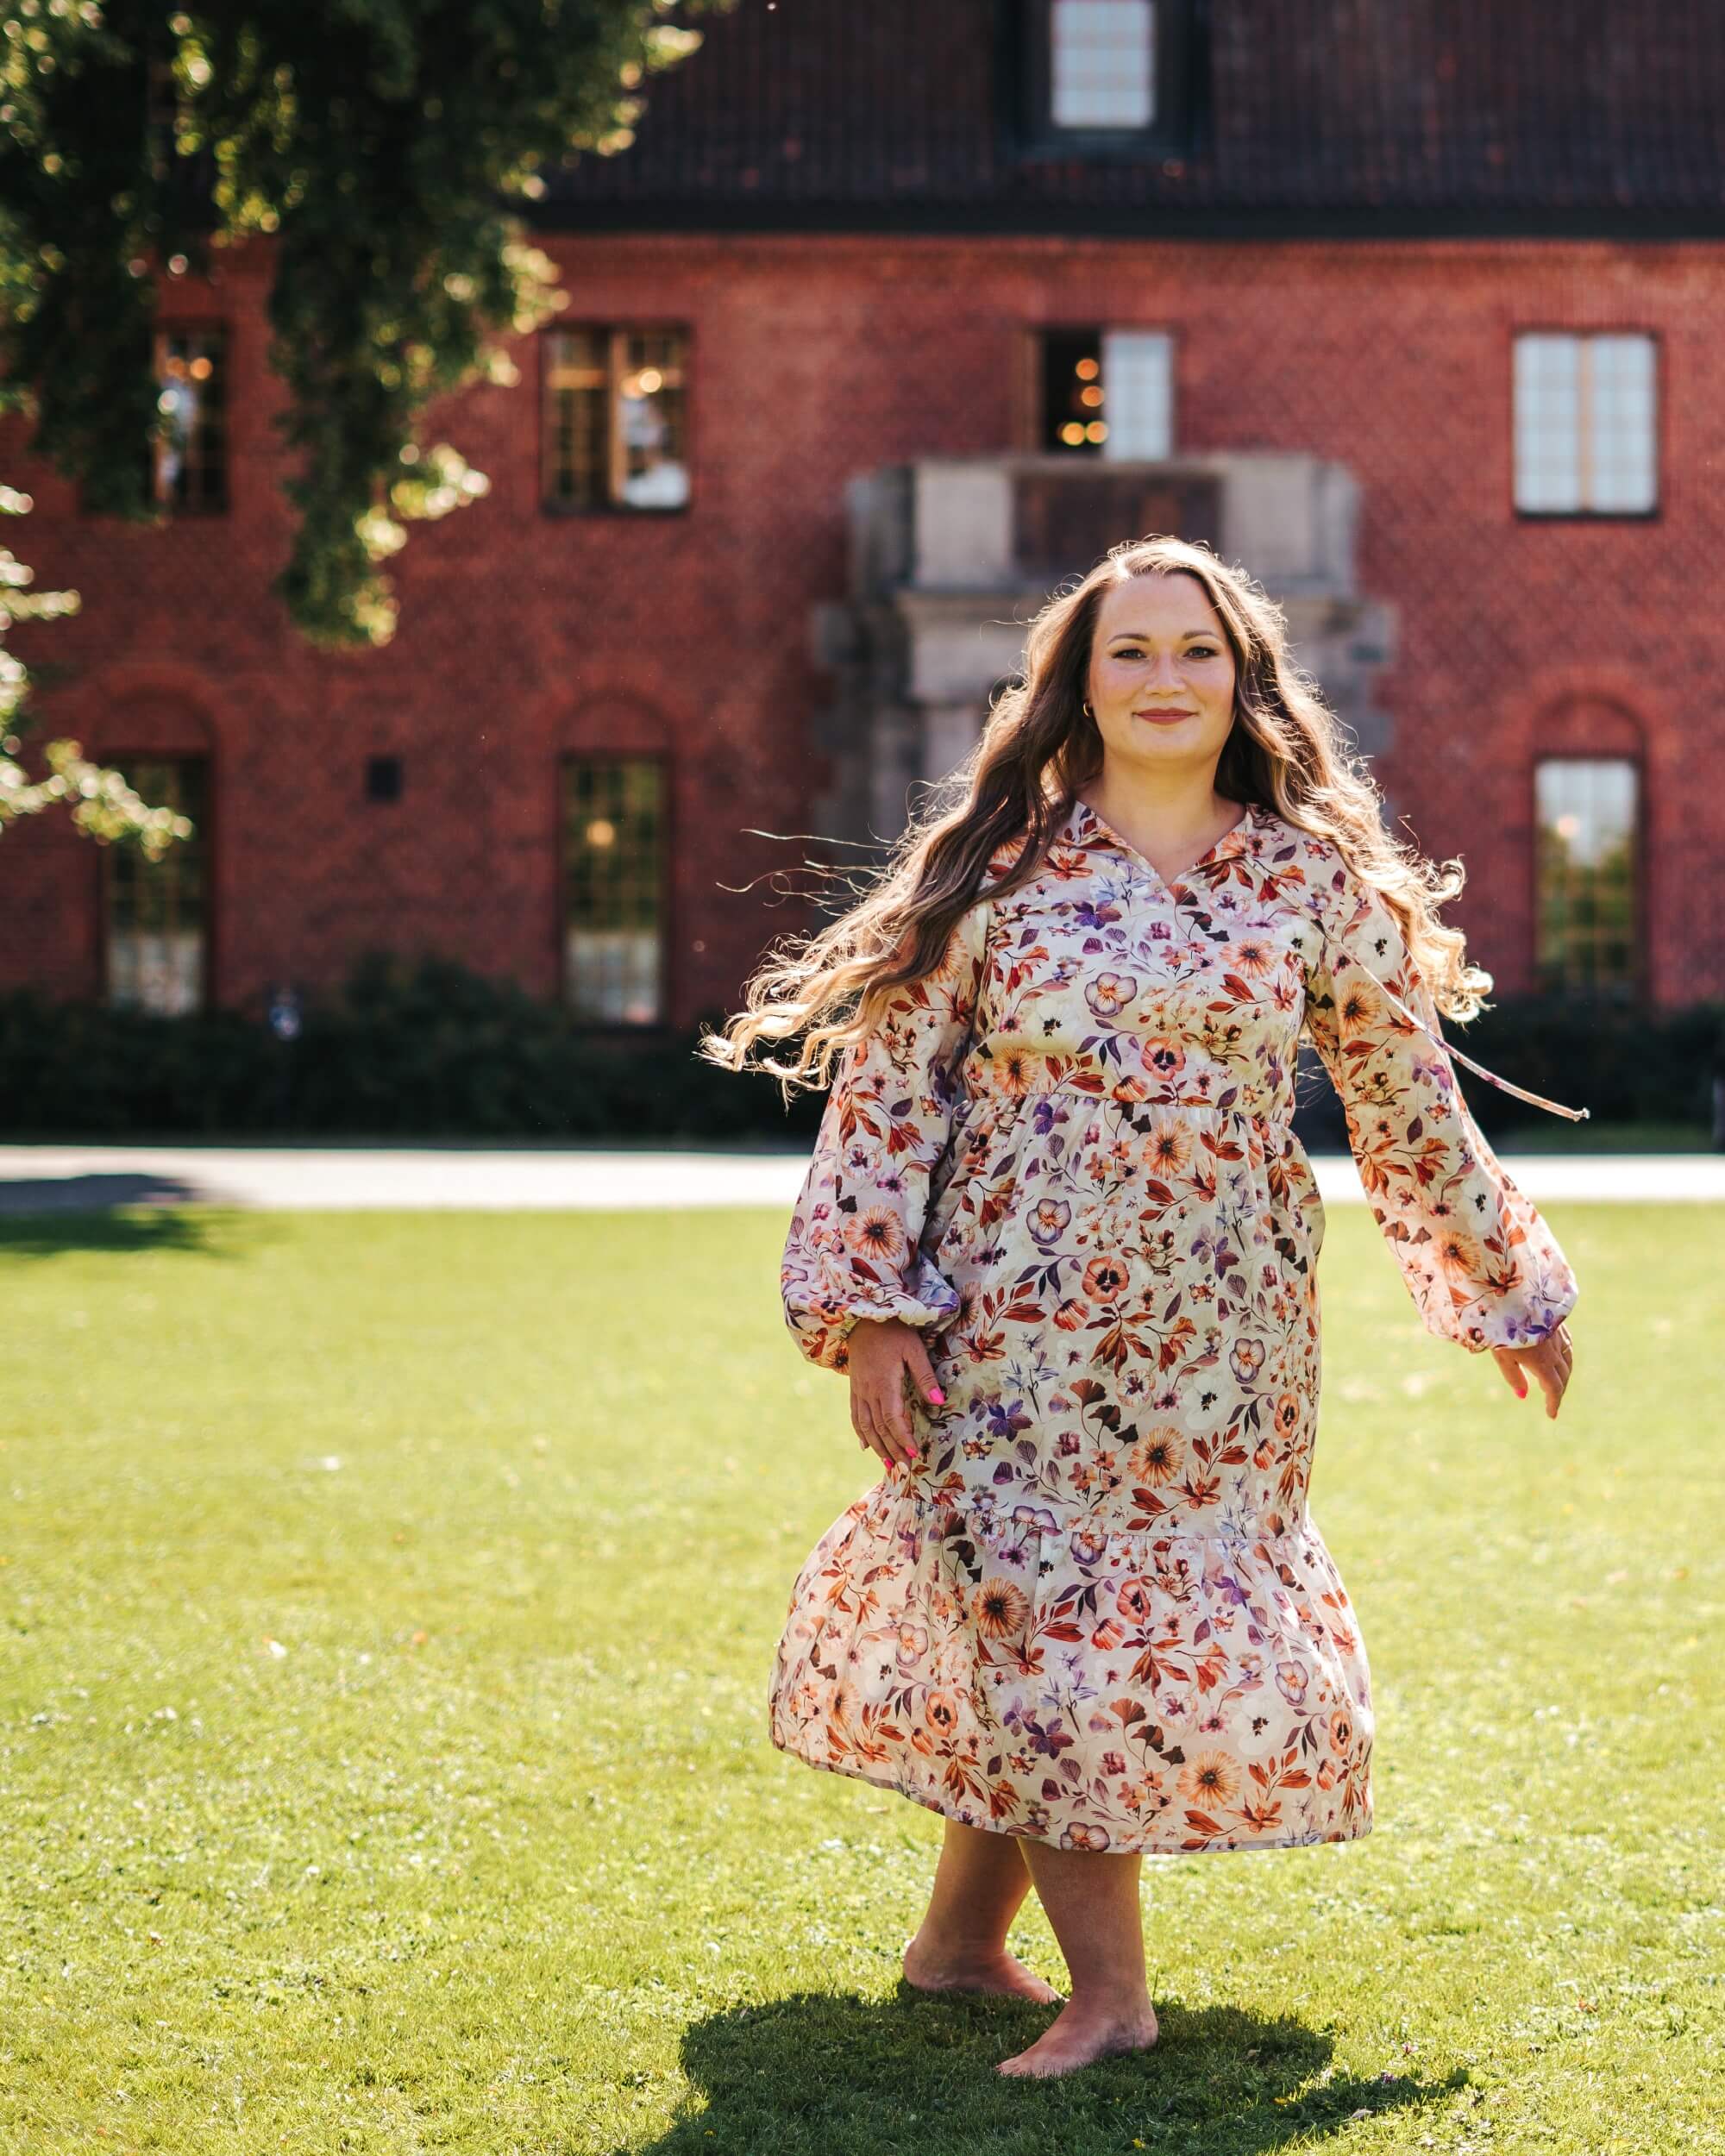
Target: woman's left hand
1550, 1360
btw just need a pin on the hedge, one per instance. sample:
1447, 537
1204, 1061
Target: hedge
424, 1047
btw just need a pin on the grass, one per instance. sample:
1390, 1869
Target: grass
1541, 1132
389, 1606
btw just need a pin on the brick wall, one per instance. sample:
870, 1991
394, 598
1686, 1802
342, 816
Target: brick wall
525, 635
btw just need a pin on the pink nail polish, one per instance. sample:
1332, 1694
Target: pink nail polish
938, 1397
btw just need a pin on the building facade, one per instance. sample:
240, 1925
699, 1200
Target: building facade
888, 320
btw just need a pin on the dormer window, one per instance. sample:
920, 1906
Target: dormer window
1102, 63
1108, 78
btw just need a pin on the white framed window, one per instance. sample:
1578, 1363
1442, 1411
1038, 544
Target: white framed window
1586, 422
1137, 393
614, 422
614, 864
156, 914
1107, 393
1102, 63
189, 458
1587, 823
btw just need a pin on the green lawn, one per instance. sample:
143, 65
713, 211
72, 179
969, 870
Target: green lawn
389, 1607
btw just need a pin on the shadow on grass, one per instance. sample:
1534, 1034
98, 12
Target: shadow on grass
847, 2077
95, 1223
92, 1190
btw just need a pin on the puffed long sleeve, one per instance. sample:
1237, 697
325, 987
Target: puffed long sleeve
853, 1251
1482, 1265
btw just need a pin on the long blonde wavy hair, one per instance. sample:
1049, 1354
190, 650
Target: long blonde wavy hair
1037, 751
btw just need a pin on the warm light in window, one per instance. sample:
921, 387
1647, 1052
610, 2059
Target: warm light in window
614, 889
613, 420
1072, 433
202, 369
1087, 370
1097, 430
1588, 916
1091, 398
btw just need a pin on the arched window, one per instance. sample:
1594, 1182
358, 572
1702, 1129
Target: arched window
615, 862
1587, 819
155, 913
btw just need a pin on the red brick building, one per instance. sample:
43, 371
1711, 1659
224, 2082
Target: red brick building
891, 316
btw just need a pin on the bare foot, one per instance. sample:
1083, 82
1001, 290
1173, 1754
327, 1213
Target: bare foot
1081, 2034
1001, 1973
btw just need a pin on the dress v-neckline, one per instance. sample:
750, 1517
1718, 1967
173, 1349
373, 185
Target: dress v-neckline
1182, 880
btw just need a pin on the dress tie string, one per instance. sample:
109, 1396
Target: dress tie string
1537, 1099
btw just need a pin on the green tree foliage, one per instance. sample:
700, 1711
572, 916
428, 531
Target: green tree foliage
101, 802
375, 146
378, 146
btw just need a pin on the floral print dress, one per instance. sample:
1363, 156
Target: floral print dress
1097, 1610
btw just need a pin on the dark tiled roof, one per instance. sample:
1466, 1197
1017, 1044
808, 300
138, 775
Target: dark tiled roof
1371, 116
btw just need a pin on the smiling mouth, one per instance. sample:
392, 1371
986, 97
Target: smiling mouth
1156, 714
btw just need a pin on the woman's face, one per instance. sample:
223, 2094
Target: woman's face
1160, 680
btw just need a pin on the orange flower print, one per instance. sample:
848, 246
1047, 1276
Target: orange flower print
1097, 1611
1163, 1059
1253, 956
1212, 1778
940, 1712
1105, 1278
1157, 1457
878, 1234
1168, 1150
1459, 1256
1016, 1066
1358, 1009
1000, 1608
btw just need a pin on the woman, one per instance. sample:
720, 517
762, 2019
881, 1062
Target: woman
1058, 1232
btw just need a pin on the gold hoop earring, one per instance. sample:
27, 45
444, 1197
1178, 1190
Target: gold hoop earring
1089, 713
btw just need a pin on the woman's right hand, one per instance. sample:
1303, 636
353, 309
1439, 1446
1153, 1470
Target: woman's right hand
887, 1358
